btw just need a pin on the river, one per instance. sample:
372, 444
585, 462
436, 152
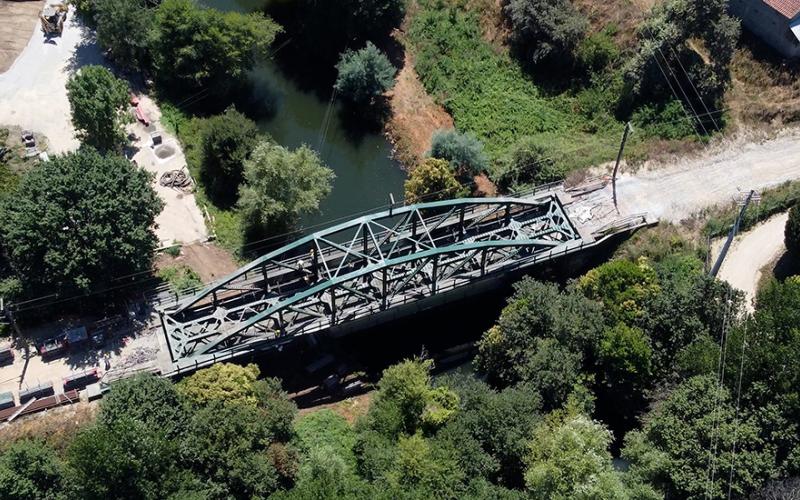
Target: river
366, 174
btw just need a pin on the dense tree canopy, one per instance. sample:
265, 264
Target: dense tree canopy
280, 186
364, 75
228, 139
545, 30
78, 221
197, 48
126, 29
431, 180
98, 101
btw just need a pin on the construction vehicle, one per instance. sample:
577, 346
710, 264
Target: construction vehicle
53, 17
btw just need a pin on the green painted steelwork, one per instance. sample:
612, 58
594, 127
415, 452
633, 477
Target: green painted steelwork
364, 266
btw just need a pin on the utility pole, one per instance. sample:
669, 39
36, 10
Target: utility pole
625, 133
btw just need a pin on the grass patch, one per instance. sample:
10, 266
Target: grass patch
181, 279
720, 219
488, 94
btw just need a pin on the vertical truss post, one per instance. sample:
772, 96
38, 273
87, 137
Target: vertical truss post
333, 305
384, 287
461, 223
366, 241
483, 261
314, 262
507, 217
413, 227
434, 274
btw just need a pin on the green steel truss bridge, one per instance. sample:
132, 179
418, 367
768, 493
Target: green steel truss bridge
374, 265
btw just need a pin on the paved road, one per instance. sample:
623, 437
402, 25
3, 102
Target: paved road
675, 191
32, 92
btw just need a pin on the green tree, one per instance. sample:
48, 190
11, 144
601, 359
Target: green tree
125, 28
128, 459
78, 221
490, 430
693, 430
145, 398
30, 470
227, 446
228, 139
426, 469
569, 459
325, 429
280, 186
431, 180
463, 151
225, 382
542, 336
791, 233
364, 75
623, 287
545, 30
406, 402
197, 48
98, 101
625, 355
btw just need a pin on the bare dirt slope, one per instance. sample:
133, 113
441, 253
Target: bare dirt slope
675, 191
750, 253
415, 116
18, 19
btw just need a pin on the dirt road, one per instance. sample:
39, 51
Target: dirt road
675, 191
750, 252
19, 19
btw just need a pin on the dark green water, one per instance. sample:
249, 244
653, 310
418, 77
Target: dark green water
365, 172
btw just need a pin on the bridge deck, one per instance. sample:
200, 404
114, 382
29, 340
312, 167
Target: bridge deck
380, 263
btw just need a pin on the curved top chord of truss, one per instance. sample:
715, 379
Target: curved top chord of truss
364, 266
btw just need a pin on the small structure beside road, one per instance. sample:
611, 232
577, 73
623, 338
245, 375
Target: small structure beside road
776, 22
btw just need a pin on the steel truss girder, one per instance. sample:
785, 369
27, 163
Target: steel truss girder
364, 266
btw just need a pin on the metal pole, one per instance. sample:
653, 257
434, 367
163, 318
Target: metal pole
731, 235
616, 166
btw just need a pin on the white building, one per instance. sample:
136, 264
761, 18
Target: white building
776, 22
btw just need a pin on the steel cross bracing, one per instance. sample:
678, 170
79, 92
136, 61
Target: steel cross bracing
366, 265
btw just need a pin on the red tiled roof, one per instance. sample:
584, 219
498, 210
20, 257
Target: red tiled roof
788, 8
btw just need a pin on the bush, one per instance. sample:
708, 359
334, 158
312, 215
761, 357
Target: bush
181, 279
99, 101
364, 75
226, 382
792, 231
530, 161
432, 180
228, 139
595, 52
545, 30
463, 151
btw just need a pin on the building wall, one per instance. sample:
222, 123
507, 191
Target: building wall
767, 24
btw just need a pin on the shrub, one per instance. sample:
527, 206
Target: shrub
792, 231
432, 180
545, 30
364, 74
463, 151
181, 279
228, 139
530, 161
596, 51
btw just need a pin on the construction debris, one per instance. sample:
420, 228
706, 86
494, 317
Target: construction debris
52, 18
176, 179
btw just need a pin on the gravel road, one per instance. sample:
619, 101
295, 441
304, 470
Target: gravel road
675, 191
